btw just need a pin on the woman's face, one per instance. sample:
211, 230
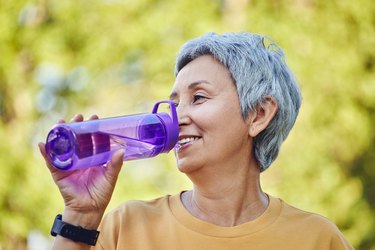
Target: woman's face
212, 131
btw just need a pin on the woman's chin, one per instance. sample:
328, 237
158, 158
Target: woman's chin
185, 166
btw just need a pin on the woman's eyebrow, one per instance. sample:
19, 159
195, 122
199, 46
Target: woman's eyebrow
194, 84
190, 86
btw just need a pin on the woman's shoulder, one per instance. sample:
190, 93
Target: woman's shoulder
311, 228
133, 217
291, 212
308, 221
141, 207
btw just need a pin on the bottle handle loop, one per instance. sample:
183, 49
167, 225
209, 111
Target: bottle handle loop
170, 122
172, 110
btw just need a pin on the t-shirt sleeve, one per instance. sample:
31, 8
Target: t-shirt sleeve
339, 242
109, 228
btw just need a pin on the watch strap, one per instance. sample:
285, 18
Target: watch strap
75, 233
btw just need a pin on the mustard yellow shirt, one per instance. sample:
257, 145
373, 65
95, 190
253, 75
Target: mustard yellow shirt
164, 224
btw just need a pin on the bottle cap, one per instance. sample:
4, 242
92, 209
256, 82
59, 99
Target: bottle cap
170, 122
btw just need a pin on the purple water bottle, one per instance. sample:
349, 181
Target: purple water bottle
77, 145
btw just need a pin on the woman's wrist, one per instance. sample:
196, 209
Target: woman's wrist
87, 220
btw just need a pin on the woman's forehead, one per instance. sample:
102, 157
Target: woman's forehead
204, 69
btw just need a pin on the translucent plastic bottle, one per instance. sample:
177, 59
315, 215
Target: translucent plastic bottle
77, 145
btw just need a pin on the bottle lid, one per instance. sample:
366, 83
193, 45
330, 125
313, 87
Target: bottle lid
170, 122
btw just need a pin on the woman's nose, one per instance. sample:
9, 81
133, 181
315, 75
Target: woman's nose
183, 115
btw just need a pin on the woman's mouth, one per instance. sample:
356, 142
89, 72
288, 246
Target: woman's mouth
184, 142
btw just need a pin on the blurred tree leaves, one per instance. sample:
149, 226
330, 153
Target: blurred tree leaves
112, 57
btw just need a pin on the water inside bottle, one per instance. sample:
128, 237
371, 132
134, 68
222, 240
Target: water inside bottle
134, 148
149, 141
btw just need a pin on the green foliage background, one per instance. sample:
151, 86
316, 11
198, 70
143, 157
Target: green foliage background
116, 57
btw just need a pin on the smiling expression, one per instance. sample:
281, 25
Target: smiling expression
212, 130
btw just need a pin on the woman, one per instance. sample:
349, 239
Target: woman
236, 102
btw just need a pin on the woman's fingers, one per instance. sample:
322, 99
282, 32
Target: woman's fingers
93, 117
77, 118
42, 149
114, 165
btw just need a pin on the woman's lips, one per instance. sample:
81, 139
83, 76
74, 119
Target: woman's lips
186, 141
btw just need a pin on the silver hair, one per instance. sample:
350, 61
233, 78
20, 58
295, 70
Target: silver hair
259, 70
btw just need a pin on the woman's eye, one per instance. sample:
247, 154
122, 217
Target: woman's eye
198, 97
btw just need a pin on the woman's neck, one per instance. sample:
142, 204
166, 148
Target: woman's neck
227, 200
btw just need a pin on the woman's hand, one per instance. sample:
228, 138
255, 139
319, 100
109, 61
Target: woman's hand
86, 192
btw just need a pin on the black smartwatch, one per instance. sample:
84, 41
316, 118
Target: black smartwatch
75, 233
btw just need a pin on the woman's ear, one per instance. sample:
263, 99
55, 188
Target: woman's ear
263, 115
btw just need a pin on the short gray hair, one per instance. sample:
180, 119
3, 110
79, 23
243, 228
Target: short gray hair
259, 71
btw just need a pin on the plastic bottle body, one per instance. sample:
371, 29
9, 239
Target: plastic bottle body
92, 143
